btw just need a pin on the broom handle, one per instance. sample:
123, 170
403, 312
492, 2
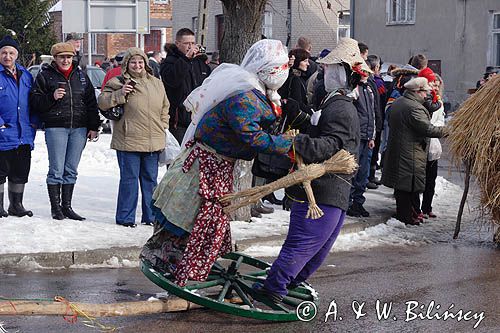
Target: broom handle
464, 198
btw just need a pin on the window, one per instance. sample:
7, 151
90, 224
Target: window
401, 11
344, 25
194, 25
267, 24
219, 26
94, 44
495, 40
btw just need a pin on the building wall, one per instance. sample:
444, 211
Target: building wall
312, 19
455, 32
108, 45
308, 20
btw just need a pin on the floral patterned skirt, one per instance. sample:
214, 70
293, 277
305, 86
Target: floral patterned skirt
189, 254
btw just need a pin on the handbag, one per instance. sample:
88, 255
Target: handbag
271, 165
116, 112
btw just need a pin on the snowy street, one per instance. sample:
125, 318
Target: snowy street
389, 262
95, 198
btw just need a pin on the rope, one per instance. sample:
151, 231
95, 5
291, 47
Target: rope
88, 321
71, 314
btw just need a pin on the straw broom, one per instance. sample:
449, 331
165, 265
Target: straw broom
340, 163
475, 139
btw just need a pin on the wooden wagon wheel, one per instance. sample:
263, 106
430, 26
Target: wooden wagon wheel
228, 289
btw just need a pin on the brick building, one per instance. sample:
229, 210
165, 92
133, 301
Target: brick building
285, 20
107, 45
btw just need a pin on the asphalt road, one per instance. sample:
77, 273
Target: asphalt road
409, 278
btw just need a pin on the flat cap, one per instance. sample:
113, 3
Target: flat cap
62, 49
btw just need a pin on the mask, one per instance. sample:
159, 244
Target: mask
335, 77
274, 77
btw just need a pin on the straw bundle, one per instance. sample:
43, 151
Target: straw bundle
340, 163
475, 139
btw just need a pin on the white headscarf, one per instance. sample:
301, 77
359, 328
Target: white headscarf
260, 69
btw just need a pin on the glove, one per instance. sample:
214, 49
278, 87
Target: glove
295, 117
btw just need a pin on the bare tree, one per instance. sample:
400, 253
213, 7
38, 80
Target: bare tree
242, 27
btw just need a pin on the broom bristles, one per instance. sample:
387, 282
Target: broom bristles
475, 138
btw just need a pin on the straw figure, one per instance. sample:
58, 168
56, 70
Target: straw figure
475, 141
340, 163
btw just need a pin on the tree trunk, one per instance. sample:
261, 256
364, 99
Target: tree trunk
242, 28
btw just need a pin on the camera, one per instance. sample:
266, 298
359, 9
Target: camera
201, 49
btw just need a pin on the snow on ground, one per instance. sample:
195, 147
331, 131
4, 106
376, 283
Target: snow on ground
95, 198
395, 233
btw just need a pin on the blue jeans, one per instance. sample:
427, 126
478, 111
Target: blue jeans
65, 146
135, 166
361, 179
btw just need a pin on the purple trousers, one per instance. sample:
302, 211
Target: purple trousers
306, 246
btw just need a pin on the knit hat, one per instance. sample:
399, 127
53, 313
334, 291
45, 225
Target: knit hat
62, 49
9, 41
428, 74
418, 84
346, 51
324, 53
73, 36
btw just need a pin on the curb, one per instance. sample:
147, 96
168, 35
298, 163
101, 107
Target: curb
64, 260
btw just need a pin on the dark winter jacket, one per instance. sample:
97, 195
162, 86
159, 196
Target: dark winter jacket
180, 77
365, 104
78, 107
379, 111
406, 154
155, 67
14, 109
295, 87
337, 128
319, 89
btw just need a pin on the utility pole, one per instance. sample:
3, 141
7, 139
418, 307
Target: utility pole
203, 7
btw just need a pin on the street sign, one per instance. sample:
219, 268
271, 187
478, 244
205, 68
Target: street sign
105, 16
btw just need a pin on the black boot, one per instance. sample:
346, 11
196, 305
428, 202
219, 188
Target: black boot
271, 198
16, 208
3, 213
55, 201
66, 195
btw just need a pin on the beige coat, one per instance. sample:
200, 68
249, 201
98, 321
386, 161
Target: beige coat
145, 118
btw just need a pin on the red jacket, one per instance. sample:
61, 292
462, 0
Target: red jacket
111, 74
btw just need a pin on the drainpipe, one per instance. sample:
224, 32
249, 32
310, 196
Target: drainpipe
352, 11
289, 23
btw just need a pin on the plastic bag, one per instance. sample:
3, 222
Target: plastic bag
435, 150
172, 149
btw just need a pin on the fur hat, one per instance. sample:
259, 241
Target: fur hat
346, 51
428, 74
404, 70
9, 41
418, 84
62, 49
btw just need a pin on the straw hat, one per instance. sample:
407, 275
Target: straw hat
347, 51
418, 84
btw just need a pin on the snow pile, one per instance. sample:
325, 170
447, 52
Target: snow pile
395, 233
95, 198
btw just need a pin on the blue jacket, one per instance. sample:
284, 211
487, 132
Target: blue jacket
14, 109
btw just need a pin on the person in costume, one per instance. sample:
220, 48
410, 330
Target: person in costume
332, 128
230, 113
